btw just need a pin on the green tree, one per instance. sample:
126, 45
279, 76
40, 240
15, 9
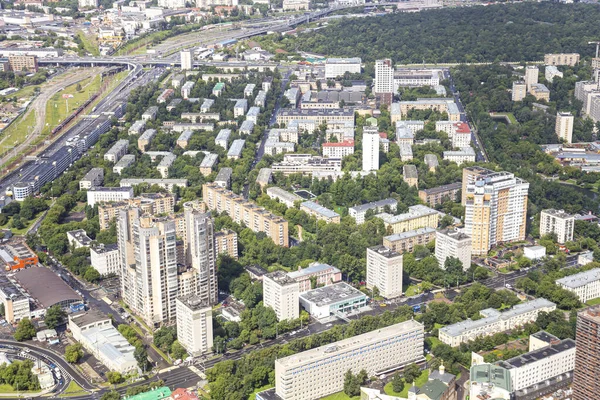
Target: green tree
112, 395
141, 356
351, 384
411, 372
177, 350
397, 383
114, 377
91, 275
73, 353
54, 316
25, 330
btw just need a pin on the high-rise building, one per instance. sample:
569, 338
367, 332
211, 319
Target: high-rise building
519, 90
194, 324
200, 253
453, 243
282, 294
564, 126
384, 80
470, 175
384, 271
187, 60
370, 149
587, 357
531, 76
495, 210
558, 222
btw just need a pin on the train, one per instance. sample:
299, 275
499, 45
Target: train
78, 111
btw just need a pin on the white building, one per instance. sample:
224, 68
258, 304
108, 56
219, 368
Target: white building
281, 293
335, 299
338, 149
534, 252
235, 151
105, 259
88, 3
240, 108
283, 196
531, 76
359, 212
222, 138
464, 155
384, 78
187, 60
564, 126
98, 194
118, 150
78, 239
519, 90
370, 149
16, 304
335, 67
123, 163
384, 271
93, 178
98, 336
494, 322
586, 285
557, 222
194, 325
550, 72
319, 372
453, 243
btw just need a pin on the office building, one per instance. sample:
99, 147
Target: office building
376, 352
78, 239
440, 194
194, 325
557, 222
531, 76
587, 358
453, 243
564, 126
495, 210
410, 175
335, 67
418, 216
519, 90
384, 271
370, 149
105, 259
281, 293
226, 242
490, 381
586, 285
241, 211
384, 81
359, 212
323, 275
321, 213
16, 303
150, 203
93, 178
337, 299
338, 149
16, 255
118, 150
187, 60
494, 321
285, 197
569, 59
405, 242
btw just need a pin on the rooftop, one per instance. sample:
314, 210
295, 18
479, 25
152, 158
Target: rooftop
281, 278
384, 251
410, 171
194, 302
580, 279
284, 194
413, 212
224, 174
545, 336
557, 213
454, 234
442, 189
209, 160
539, 354
105, 248
332, 294
319, 209
312, 269
352, 60
409, 234
84, 318
374, 204
45, 286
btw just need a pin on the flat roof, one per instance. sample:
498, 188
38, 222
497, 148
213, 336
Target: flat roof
363, 340
374, 204
280, 277
332, 294
415, 211
319, 209
84, 318
384, 251
410, 171
312, 269
580, 279
409, 234
558, 213
350, 60
444, 188
194, 302
454, 234
539, 354
284, 194
45, 286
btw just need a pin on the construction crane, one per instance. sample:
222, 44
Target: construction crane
597, 47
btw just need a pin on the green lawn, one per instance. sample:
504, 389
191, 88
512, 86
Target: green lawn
73, 390
420, 381
89, 43
340, 396
593, 302
6, 388
434, 342
412, 290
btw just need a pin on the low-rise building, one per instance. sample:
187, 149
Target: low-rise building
78, 239
126, 161
281, 293
406, 153
323, 274
137, 127
118, 150
93, 178
105, 259
550, 72
453, 243
338, 149
184, 139
223, 178
540, 91
226, 242
359, 212
240, 108
494, 322
222, 138
186, 89
440, 194
208, 163
432, 162
150, 113
570, 59
384, 271
253, 114
410, 175
336, 299
235, 151
194, 324
165, 163
418, 216
168, 184
320, 212
283, 196
265, 176
98, 194
586, 285
534, 252
405, 242
247, 127
145, 139
464, 155
306, 164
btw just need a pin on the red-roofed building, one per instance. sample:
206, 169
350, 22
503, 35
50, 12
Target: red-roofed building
338, 150
383, 135
461, 136
183, 394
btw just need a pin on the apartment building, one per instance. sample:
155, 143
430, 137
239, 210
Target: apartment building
241, 211
223, 178
306, 164
519, 90
464, 155
208, 163
494, 322
557, 222
384, 81
285, 116
323, 274
150, 113
222, 138
93, 178
321, 213
283, 196
540, 91
194, 325
587, 357
495, 210
453, 243
150, 203
265, 176
406, 153
23, 63
569, 59
418, 216
550, 72
335, 67
226, 242
145, 139
104, 194
123, 163
184, 138
405, 242
137, 127
564, 126
442, 105
280, 292
359, 212
16, 303
376, 352
416, 77
118, 150
164, 165
370, 149
240, 108
187, 60
440, 194
105, 259
531, 76
236, 148
384, 271
338, 149
586, 285
410, 175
